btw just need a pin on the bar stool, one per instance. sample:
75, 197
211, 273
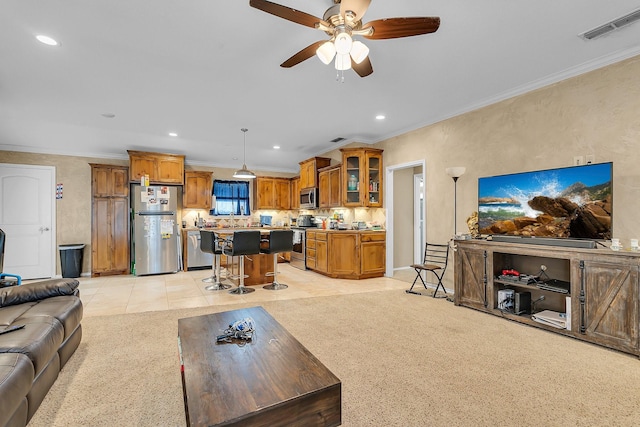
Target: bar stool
209, 244
242, 243
279, 241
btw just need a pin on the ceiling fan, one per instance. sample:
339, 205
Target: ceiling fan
341, 22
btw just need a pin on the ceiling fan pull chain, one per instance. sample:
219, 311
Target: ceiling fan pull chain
340, 76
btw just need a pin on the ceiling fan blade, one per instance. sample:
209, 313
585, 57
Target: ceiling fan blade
364, 68
358, 7
287, 13
393, 28
303, 55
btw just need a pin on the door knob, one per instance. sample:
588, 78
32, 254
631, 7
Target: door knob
43, 229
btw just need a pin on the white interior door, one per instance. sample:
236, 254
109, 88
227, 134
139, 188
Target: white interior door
27, 214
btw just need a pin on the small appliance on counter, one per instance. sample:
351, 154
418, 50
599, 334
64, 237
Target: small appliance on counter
359, 225
265, 220
305, 221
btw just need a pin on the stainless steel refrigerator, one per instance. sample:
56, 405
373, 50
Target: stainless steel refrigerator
155, 229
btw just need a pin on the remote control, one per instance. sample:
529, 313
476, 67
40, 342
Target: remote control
11, 329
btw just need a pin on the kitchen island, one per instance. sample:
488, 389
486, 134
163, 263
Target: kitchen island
255, 266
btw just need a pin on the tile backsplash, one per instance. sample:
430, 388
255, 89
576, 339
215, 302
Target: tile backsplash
372, 216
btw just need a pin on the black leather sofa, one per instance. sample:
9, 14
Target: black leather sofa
32, 357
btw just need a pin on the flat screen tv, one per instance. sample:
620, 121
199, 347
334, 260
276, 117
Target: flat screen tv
573, 202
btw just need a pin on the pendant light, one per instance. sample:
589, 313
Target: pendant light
244, 172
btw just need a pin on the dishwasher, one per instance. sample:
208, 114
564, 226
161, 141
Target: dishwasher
196, 259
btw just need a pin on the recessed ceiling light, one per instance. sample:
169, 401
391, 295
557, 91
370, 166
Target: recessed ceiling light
108, 115
47, 40
173, 134
380, 117
276, 147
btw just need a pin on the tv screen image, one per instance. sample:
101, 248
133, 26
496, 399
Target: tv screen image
571, 202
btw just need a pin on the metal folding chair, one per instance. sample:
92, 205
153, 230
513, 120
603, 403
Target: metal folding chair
435, 260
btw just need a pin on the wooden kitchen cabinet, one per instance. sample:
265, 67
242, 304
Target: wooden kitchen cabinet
362, 177
197, 190
282, 193
344, 255
109, 220
109, 181
372, 255
330, 180
310, 250
309, 171
272, 193
162, 168
322, 258
347, 254
295, 193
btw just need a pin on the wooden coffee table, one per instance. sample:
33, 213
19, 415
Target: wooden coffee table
272, 380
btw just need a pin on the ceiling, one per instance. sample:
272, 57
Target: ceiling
207, 68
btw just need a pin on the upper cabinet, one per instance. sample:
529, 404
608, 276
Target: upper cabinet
362, 177
197, 190
330, 180
309, 171
109, 181
272, 193
295, 193
162, 168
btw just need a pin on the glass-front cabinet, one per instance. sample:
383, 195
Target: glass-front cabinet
362, 177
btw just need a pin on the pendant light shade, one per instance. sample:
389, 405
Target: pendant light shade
244, 172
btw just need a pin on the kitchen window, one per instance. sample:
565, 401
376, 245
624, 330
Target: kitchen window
231, 198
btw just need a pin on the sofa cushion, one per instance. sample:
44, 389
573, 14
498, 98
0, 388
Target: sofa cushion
39, 340
16, 376
67, 309
37, 291
9, 314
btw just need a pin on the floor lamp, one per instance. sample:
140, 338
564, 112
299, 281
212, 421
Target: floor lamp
455, 173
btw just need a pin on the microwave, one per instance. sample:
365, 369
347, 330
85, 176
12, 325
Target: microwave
308, 198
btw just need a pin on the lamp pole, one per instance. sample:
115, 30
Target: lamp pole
455, 173
455, 204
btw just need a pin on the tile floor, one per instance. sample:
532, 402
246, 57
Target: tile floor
130, 294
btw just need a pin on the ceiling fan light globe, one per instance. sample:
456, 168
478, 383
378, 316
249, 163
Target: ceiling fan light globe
343, 62
326, 52
343, 43
359, 52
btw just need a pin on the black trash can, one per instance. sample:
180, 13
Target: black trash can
71, 259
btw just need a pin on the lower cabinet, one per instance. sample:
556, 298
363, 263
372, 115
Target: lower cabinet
344, 256
347, 254
593, 292
611, 304
372, 255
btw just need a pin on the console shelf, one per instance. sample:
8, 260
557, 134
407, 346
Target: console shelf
602, 294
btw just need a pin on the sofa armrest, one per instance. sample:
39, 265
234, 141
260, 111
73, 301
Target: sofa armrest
36, 291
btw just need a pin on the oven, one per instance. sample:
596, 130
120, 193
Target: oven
299, 248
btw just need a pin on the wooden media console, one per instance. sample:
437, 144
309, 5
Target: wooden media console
598, 288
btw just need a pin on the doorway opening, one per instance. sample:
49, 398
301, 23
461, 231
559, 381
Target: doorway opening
406, 218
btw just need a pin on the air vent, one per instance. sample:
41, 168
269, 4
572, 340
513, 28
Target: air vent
610, 26
338, 139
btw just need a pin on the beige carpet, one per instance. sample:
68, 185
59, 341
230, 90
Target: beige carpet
404, 360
